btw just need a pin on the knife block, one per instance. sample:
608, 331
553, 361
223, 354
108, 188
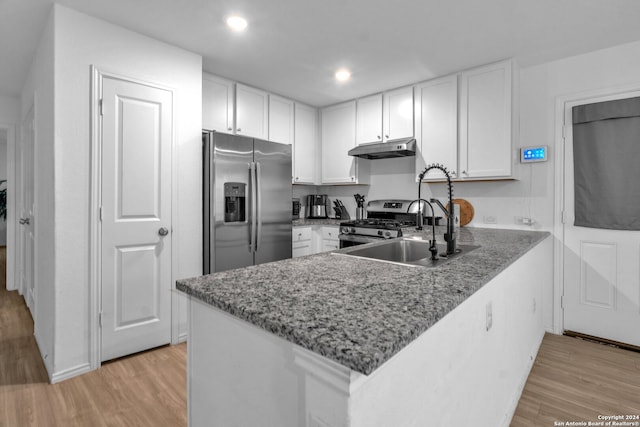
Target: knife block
341, 213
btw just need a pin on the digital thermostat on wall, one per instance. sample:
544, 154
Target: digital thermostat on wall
534, 154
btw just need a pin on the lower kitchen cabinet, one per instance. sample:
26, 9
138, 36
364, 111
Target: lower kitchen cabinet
329, 236
302, 241
313, 239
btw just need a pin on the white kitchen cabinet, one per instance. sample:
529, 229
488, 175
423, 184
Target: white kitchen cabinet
485, 122
217, 104
397, 118
304, 145
329, 238
338, 124
369, 119
281, 127
436, 121
302, 241
252, 112
385, 117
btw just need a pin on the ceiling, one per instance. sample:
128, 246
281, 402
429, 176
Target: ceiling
293, 47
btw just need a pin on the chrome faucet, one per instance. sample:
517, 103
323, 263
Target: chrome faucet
450, 235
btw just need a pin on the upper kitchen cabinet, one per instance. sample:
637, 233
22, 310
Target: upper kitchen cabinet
397, 114
436, 112
252, 112
217, 104
385, 117
369, 119
280, 120
304, 146
485, 122
338, 127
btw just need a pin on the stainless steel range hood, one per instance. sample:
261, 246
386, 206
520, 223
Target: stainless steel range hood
385, 150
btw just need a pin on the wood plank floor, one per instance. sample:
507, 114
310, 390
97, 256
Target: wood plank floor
577, 380
572, 380
146, 389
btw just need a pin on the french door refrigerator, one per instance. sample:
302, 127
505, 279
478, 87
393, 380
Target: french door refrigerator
246, 201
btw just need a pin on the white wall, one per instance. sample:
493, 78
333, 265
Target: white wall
63, 165
37, 93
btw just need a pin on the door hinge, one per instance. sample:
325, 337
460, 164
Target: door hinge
565, 131
100, 213
100, 319
561, 301
100, 106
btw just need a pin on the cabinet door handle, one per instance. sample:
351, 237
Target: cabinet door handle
378, 136
239, 130
297, 178
386, 136
229, 128
464, 173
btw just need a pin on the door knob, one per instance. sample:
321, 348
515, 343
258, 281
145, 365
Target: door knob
163, 231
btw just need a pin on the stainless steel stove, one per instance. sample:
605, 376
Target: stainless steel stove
385, 220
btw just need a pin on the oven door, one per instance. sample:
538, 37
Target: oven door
348, 240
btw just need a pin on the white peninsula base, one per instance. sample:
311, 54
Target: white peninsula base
459, 372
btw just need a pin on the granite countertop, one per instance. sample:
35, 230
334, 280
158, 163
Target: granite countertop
317, 221
355, 311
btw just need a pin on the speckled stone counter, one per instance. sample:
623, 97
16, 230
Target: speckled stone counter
355, 311
317, 221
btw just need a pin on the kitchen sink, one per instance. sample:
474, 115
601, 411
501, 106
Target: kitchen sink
410, 252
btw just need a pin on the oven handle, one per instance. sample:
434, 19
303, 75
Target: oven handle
359, 238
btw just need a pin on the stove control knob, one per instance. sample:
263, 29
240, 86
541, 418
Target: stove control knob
379, 232
353, 230
387, 234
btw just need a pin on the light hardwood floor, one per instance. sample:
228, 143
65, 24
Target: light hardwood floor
146, 389
572, 380
576, 380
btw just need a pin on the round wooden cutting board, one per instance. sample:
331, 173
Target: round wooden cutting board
466, 211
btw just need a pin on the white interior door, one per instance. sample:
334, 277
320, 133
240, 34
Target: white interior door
26, 209
136, 217
601, 267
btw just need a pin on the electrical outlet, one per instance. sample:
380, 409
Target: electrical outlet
523, 220
489, 219
489, 315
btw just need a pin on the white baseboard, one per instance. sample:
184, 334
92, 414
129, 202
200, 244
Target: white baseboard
182, 337
43, 354
70, 373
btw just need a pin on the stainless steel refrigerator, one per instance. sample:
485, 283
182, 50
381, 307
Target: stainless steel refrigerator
246, 201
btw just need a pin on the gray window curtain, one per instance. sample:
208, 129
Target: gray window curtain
606, 160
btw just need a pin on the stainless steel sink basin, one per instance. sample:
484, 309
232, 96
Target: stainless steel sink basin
406, 252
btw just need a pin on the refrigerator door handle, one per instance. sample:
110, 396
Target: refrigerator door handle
253, 213
259, 206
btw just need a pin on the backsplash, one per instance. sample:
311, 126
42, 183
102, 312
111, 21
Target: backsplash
496, 204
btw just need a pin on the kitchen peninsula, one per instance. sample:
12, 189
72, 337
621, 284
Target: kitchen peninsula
334, 340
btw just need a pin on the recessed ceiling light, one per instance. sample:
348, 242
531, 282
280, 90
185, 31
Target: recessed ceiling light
237, 23
342, 75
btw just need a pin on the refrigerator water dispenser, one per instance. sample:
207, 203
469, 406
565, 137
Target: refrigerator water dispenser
235, 202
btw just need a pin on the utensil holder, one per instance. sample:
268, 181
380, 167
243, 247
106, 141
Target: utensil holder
359, 213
